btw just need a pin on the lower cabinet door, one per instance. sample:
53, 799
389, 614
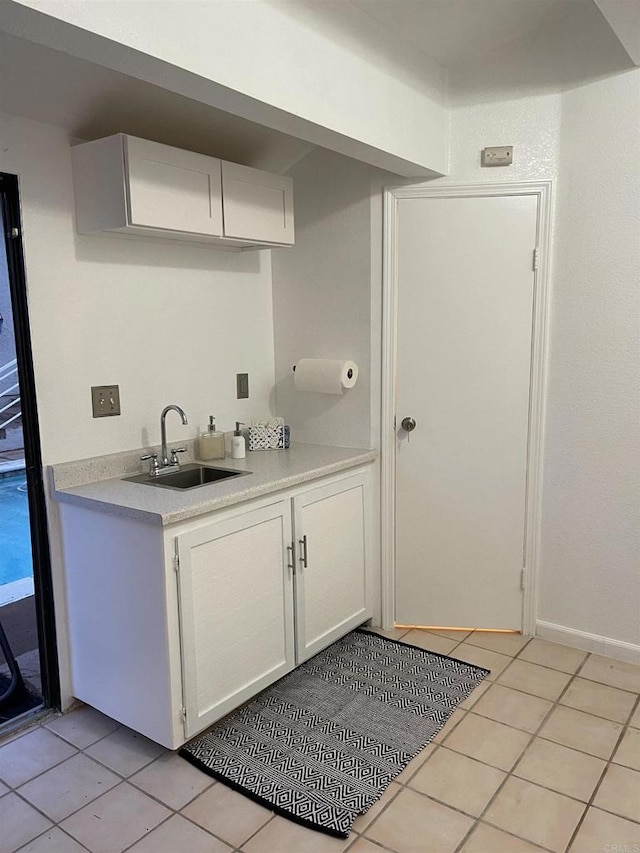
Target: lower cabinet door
236, 610
331, 563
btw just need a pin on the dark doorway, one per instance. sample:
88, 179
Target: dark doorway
28, 659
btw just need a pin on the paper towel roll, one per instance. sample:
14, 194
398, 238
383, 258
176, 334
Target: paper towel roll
325, 375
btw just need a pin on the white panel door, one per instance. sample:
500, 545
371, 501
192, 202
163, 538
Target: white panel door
331, 563
257, 205
236, 611
466, 284
173, 189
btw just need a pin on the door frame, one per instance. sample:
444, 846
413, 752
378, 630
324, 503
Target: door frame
541, 307
42, 577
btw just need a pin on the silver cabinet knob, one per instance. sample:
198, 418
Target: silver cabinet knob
408, 424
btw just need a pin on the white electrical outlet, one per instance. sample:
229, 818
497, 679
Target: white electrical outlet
498, 155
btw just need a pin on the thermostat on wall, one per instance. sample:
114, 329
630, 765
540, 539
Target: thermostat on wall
499, 155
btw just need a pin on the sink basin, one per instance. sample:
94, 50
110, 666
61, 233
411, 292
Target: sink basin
188, 477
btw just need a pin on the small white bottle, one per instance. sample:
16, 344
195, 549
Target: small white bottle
238, 444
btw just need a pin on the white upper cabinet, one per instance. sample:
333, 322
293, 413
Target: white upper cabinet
257, 205
134, 186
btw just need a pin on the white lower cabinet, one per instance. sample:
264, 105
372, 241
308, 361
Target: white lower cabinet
172, 628
245, 581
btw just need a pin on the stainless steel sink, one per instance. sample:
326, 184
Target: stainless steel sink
188, 477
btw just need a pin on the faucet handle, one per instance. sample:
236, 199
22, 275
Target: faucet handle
174, 454
154, 461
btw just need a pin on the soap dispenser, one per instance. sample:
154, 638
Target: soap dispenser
211, 443
238, 444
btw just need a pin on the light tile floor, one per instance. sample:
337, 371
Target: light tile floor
543, 756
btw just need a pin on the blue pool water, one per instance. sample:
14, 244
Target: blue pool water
15, 542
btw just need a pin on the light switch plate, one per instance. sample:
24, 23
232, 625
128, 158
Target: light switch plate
105, 400
242, 386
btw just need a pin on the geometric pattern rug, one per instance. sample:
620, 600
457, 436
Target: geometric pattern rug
322, 744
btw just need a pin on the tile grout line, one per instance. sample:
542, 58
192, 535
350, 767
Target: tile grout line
608, 762
218, 837
515, 764
78, 750
157, 826
594, 793
121, 779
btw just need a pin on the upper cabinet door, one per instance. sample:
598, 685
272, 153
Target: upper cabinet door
172, 189
257, 205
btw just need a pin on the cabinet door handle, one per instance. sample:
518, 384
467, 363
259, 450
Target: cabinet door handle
304, 555
291, 563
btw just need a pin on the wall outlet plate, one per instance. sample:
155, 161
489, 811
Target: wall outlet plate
242, 386
105, 400
499, 155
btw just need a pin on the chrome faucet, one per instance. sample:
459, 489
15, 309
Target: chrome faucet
166, 465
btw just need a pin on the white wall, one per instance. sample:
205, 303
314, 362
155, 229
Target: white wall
588, 141
169, 322
591, 538
322, 298
323, 84
531, 125
327, 304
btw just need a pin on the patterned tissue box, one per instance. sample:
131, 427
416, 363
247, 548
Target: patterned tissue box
267, 435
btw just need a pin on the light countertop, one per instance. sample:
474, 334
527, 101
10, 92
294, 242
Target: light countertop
98, 484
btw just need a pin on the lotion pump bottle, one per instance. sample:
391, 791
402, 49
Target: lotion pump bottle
211, 443
238, 444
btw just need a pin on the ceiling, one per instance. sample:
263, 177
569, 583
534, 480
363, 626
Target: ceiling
90, 101
452, 32
489, 50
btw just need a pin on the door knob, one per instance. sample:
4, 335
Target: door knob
408, 424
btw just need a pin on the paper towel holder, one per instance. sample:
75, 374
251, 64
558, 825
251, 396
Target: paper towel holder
349, 372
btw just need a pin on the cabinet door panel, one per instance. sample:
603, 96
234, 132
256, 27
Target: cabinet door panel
236, 611
257, 205
331, 589
173, 189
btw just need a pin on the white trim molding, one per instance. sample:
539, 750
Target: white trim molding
392, 195
618, 649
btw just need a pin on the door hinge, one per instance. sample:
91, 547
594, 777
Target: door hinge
176, 562
523, 578
182, 713
14, 233
534, 266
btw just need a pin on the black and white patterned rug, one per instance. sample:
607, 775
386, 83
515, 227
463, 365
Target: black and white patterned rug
322, 744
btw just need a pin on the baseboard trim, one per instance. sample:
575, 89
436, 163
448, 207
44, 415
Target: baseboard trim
618, 649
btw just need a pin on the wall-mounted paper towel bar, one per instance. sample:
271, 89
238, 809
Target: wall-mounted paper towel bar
349, 371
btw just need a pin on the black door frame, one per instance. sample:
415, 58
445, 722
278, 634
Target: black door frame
45, 614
